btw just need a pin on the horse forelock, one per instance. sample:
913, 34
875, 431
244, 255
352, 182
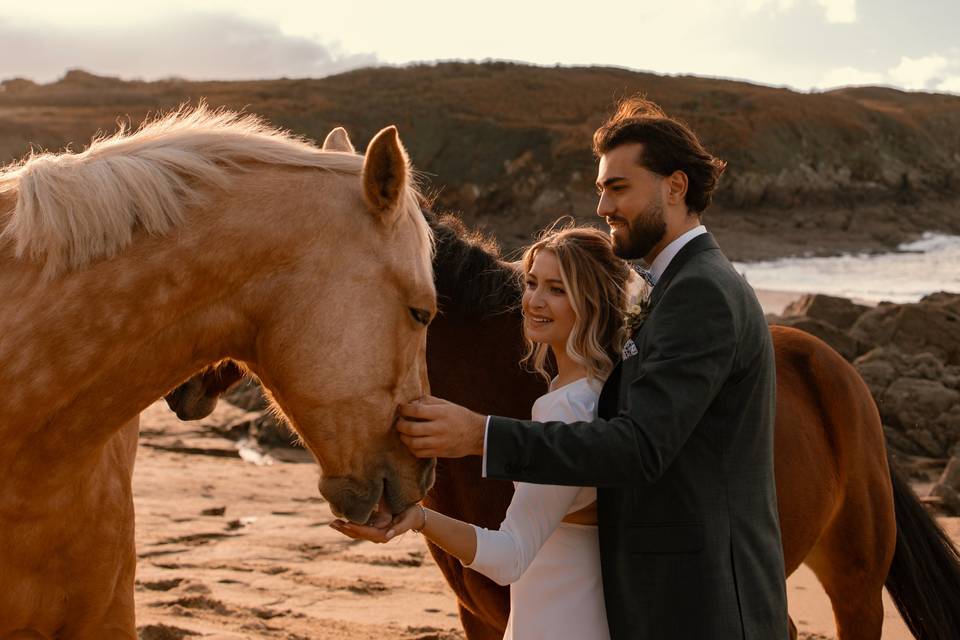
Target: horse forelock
73, 208
471, 277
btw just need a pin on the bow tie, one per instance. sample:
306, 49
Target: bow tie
647, 275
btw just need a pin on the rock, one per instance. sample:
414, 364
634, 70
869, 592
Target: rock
269, 431
842, 343
948, 487
931, 325
928, 445
944, 299
881, 366
911, 399
918, 399
949, 499
839, 312
951, 474
878, 369
248, 395
900, 443
914, 406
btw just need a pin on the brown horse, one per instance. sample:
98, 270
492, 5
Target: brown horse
131, 265
843, 510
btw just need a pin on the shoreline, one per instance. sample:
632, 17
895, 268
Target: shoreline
774, 302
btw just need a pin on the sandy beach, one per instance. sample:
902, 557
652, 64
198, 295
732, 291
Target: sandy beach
230, 549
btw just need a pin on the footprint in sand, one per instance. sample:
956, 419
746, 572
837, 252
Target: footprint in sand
161, 585
163, 632
195, 603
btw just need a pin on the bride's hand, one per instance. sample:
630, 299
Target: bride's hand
381, 532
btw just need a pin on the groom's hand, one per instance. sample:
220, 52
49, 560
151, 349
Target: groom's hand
435, 428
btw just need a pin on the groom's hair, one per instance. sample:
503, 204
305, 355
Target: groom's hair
668, 145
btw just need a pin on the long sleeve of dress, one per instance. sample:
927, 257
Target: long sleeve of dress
534, 512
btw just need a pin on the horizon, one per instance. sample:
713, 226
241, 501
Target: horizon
803, 45
433, 63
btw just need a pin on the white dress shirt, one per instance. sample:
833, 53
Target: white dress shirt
657, 269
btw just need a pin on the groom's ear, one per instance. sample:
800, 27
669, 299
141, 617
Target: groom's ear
677, 184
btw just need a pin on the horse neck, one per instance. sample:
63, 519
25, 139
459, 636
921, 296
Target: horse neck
84, 353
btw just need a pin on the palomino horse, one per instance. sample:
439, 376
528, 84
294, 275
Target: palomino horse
127, 267
843, 511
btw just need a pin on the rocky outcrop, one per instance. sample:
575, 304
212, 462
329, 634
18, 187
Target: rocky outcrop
930, 326
909, 356
839, 312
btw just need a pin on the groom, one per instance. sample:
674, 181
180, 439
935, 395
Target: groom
682, 450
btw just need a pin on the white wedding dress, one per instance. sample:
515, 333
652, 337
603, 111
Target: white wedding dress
552, 567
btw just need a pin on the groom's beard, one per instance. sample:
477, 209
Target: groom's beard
642, 234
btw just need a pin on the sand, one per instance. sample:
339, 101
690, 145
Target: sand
229, 549
235, 549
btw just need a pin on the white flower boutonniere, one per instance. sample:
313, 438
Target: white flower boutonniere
634, 316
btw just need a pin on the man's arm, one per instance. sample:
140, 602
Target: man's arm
692, 345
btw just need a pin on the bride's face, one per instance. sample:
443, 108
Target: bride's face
548, 316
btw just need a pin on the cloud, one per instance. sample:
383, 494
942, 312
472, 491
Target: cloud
919, 73
204, 46
950, 85
836, 11
850, 76
934, 72
840, 11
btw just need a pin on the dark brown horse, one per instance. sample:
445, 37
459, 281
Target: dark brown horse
843, 510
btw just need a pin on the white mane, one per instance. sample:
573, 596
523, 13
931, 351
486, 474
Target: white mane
73, 208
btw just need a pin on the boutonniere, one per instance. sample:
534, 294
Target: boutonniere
634, 316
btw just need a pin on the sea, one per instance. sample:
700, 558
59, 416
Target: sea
913, 270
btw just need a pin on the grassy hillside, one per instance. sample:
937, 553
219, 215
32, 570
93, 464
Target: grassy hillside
508, 145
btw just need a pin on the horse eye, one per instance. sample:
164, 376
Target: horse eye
420, 315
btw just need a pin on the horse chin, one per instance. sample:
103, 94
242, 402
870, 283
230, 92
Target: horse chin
190, 402
359, 500
351, 498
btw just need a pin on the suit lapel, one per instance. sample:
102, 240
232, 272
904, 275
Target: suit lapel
608, 403
703, 242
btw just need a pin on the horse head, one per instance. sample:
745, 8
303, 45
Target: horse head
346, 344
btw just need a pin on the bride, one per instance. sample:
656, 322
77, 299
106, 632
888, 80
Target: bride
546, 549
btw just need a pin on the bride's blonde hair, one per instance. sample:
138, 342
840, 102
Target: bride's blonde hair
597, 284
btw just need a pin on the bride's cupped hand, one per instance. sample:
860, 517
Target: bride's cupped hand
380, 529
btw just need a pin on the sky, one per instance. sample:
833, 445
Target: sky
802, 44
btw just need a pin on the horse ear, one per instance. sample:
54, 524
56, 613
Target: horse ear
385, 172
338, 140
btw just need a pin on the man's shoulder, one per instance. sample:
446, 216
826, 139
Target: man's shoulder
711, 270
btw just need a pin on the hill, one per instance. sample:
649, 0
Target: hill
507, 145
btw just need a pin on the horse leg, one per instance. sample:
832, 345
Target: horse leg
119, 619
852, 559
475, 628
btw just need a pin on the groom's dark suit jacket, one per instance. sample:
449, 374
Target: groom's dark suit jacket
682, 453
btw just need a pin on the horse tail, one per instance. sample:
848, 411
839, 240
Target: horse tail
924, 578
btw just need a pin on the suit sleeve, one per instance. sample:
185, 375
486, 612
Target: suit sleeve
691, 341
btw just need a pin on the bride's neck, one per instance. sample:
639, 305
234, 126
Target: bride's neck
568, 369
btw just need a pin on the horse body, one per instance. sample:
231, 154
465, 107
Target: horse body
103, 313
836, 503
